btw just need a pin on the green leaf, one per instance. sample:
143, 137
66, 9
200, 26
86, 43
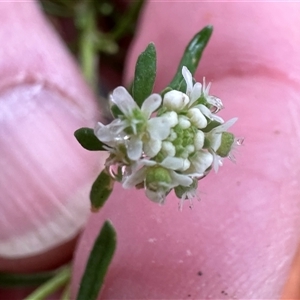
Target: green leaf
87, 139
192, 55
98, 263
13, 280
101, 190
144, 76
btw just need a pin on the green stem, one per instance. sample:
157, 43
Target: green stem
66, 293
87, 45
52, 285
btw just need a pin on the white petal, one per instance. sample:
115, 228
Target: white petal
217, 162
215, 102
135, 178
171, 117
197, 117
201, 161
99, 126
184, 122
206, 88
152, 147
209, 114
224, 127
196, 92
134, 148
186, 165
180, 179
110, 134
199, 140
173, 163
103, 133
168, 148
172, 136
151, 104
156, 196
158, 128
147, 162
190, 149
215, 140
188, 79
123, 100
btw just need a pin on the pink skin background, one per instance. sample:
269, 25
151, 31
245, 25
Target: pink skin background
239, 241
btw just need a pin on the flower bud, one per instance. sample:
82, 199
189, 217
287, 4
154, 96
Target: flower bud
227, 141
197, 118
175, 100
201, 161
157, 177
171, 117
168, 148
183, 122
199, 140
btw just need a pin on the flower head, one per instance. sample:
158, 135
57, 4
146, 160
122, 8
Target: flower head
134, 127
168, 143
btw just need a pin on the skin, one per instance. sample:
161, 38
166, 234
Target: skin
240, 241
45, 173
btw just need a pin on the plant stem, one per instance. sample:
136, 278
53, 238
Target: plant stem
52, 285
66, 293
11, 280
88, 57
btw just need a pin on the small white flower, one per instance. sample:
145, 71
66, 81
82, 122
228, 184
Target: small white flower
135, 124
195, 91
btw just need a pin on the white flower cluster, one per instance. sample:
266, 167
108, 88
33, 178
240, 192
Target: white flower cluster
171, 150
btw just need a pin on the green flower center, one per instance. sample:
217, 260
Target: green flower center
185, 137
137, 122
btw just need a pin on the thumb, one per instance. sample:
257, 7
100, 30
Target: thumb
45, 174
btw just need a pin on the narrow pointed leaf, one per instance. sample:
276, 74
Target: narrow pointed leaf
98, 263
87, 139
192, 55
144, 77
101, 190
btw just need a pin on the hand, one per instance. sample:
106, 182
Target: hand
240, 240
45, 174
